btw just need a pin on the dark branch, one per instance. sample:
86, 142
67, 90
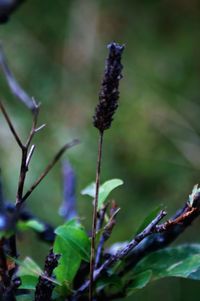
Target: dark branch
49, 167
15, 88
12, 128
122, 253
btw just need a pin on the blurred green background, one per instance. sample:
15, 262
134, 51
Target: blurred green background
57, 50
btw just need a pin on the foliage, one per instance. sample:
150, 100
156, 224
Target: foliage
115, 273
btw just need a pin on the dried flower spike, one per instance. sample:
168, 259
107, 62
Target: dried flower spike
109, 93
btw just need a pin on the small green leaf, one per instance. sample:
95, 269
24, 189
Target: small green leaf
104, 190
149, 218
30, 224
75, 236
89, 190
182, 261
139, 281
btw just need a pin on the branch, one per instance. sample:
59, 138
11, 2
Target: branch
106, 233
12, 128
14, 86
49, 167
175, 227
122, 253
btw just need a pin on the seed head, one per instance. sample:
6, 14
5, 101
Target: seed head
109, 93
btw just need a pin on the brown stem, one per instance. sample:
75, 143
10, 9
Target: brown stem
12, 129
49, 167
94, 220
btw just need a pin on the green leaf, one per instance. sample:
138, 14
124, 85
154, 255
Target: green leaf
149, 218
69, 261
75, 236
139, 281
104, 190
29, 272
28, 282
73, 244
30, 224
182, 261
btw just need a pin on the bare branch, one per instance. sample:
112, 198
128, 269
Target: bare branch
106, 233
15, 88
49, 167
13, 131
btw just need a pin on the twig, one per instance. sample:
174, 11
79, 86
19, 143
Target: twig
25, 159
176, 226
94, 220
106, 233
29, 155
49, 167
122, 253
101, 215
12, 129
15, 88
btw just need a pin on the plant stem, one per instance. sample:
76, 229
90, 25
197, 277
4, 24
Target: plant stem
94, 220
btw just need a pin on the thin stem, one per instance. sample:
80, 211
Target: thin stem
48, 168
12, 129
94, 220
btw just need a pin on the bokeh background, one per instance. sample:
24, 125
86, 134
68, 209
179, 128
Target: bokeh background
57, 50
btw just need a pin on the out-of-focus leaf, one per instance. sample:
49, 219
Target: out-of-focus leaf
28, 267
68, 206
27, 297
139, 281
29, 272
28, 282
149, 218
104, 190
112, 282
182, 261
75, 236
30, 224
